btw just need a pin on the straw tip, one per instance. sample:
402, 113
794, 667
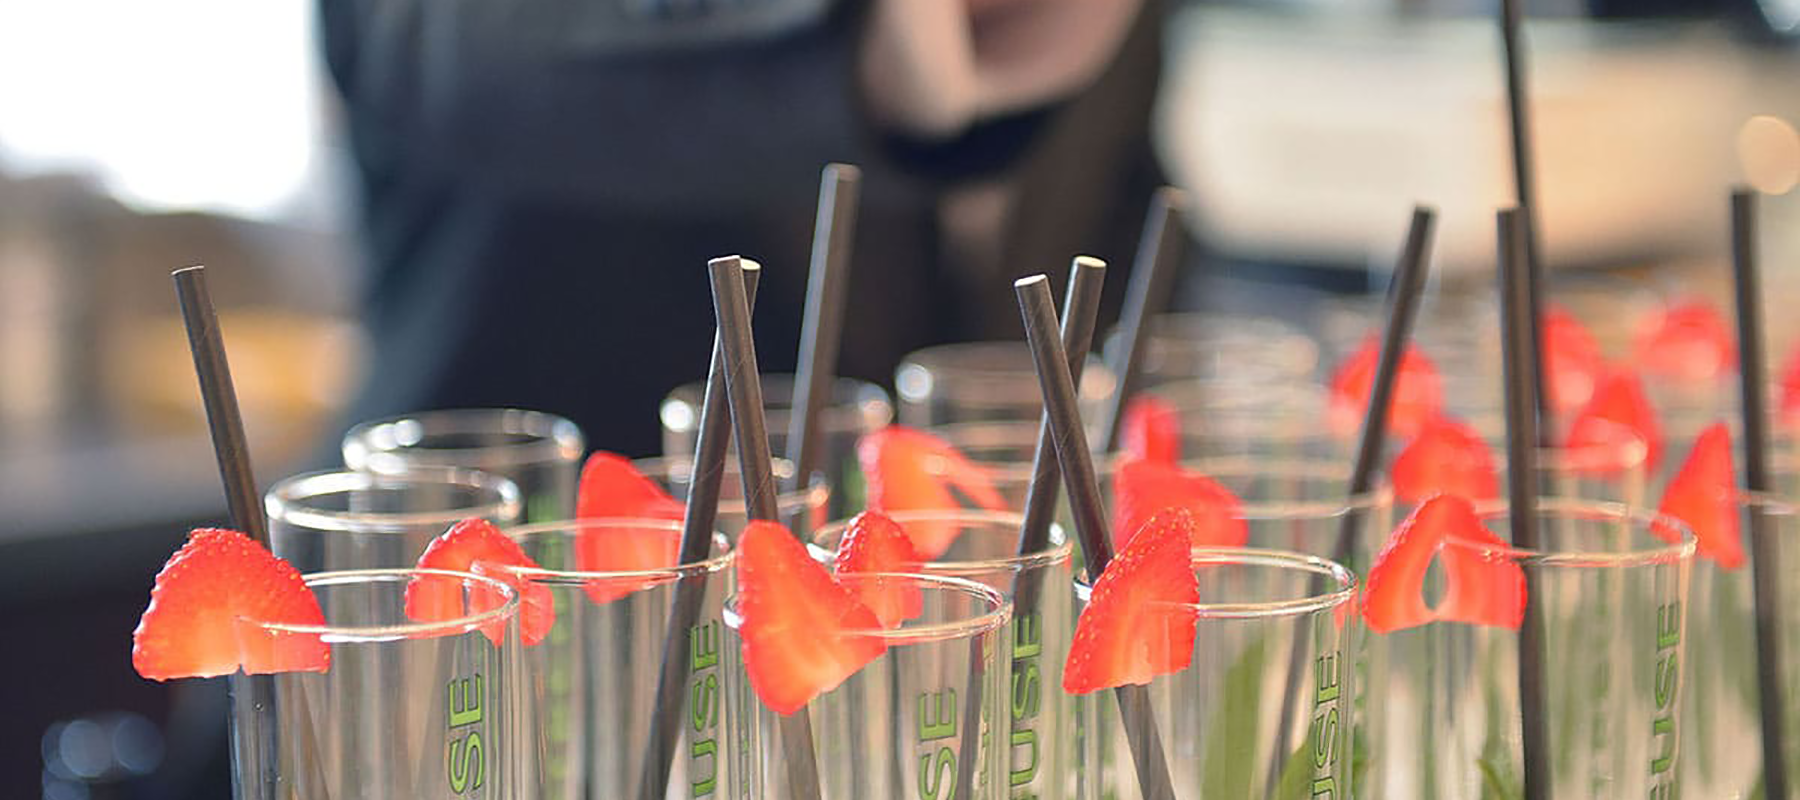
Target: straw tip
188, 270
728, 263
1032, 280
838, 170
1088, 263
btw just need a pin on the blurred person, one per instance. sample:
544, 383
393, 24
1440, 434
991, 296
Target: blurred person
542, 181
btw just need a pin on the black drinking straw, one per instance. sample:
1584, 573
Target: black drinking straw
696, 546
1403, 303
1522, 488
834, 230
220, 396
1037, 308
1764, 548
1160, 250
744, 394
233, 452
1525, 195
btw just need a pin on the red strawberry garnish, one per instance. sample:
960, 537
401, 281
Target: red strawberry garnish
1618, 413
1140, 617
1573, 363
1688, 341
1482, 588
1790, 390
475, 545
910, 470
612, 488
1704, 495
1418, 391
799, 627
205, 607
1143, 489
1151, 430
1447, 457
875, 543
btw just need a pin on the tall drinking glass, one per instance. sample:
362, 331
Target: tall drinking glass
594, 676
801, 509
1040, 721
1219, 719
539, 452
1445, 714
856, 408
1259, 350
406, 710
322, 521
901, 727
984, 381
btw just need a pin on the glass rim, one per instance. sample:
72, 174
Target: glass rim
1641, 520
950, 360
1306, 468
376, 634
1286, 560
1629, 453
1059, 548
706, 566
816, 494
863, 415
286, 500
551, 439
989, 620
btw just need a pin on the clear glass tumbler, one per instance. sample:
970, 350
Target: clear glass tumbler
801, 509
1445, 710
595, 675
1040, 733
539, 452
406, 710
912, 724
323, 521
984, 381
856, 408
1231, 724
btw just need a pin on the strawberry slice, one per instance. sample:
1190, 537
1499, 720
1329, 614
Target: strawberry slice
910, 470
1481, 588
1572, 359
1140, 617
475, 545
204, 606
799, 627
1447, 457
1418, 391
1143, 489
1704, 495
1151, 430
873, 542
612, 488
1790, 391
1688, 341
1618, 412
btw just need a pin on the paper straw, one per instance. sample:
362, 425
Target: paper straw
1160, 250
821, 331
712, 440
1038, 310
1765, 551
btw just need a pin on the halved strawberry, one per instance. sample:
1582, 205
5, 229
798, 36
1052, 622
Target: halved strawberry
1572, 360
475, 545
1688, 341
910, 470
612, 488
1790, 391
1151, 430
205, 606
873, 542
1618, 412
1140, 617
800, 629
1704, 495
1143, 489
1481, 587
1447, 457
1418, 391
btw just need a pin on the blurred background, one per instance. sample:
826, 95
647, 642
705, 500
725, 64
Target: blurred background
137, 138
